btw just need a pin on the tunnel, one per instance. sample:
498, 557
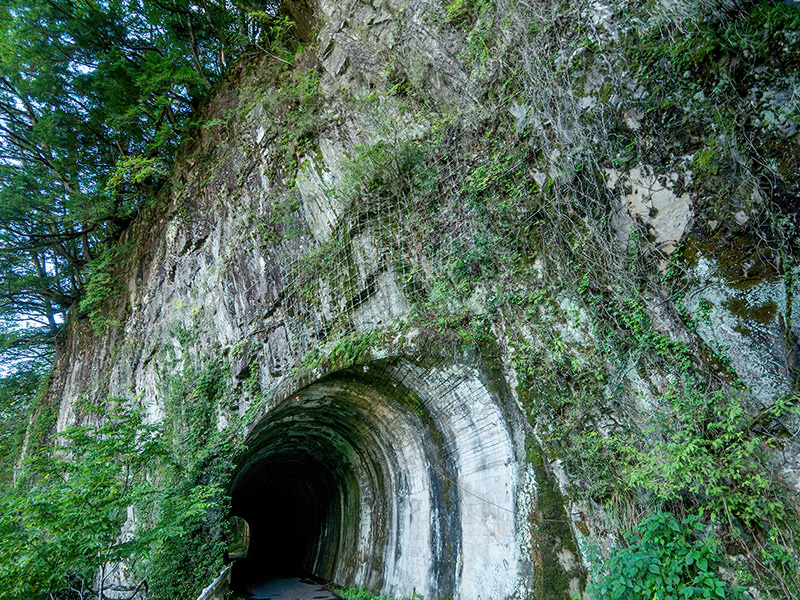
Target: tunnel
388, 475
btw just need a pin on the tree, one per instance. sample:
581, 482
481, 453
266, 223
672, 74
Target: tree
95, 98
66, 522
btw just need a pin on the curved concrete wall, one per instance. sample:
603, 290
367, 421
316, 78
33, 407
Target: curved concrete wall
415, 474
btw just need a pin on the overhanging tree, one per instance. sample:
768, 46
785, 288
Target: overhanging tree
95, 98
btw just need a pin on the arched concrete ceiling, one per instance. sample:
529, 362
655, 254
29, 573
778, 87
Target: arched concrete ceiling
394, 475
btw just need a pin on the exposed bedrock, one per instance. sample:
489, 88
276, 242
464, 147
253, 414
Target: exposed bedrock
391, 475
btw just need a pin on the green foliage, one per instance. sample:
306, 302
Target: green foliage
193, 403
102, 276
636, 335
299, 96
665, 560
95, 99
198, 459
703, 450
757, 32
706, 451
364, 594
20, 391
462, 13
283, 223
710, 454
343, 352
135, 170
276, 34
704, 309
64, 522
475, 17
387, 171
704, 93
184, 564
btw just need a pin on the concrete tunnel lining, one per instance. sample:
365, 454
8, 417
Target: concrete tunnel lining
369, 474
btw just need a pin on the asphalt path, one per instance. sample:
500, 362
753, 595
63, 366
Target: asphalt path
290, 589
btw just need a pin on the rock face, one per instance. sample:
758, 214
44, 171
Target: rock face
341, 282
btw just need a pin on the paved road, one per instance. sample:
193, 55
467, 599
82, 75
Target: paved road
290, 589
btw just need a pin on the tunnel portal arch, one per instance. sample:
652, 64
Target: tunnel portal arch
392, 475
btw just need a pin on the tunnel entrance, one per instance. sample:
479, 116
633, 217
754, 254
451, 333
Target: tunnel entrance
296, 493
358, 479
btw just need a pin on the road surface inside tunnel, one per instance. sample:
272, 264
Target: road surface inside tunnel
289, 589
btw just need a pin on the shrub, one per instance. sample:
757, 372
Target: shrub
665, 560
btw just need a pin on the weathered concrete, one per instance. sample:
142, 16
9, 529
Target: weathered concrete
408, 478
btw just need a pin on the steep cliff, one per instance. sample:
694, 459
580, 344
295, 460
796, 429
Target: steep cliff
475, 287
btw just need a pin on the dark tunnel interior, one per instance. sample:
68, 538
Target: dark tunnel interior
354, 480
292, 503
286, 516
299, 496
